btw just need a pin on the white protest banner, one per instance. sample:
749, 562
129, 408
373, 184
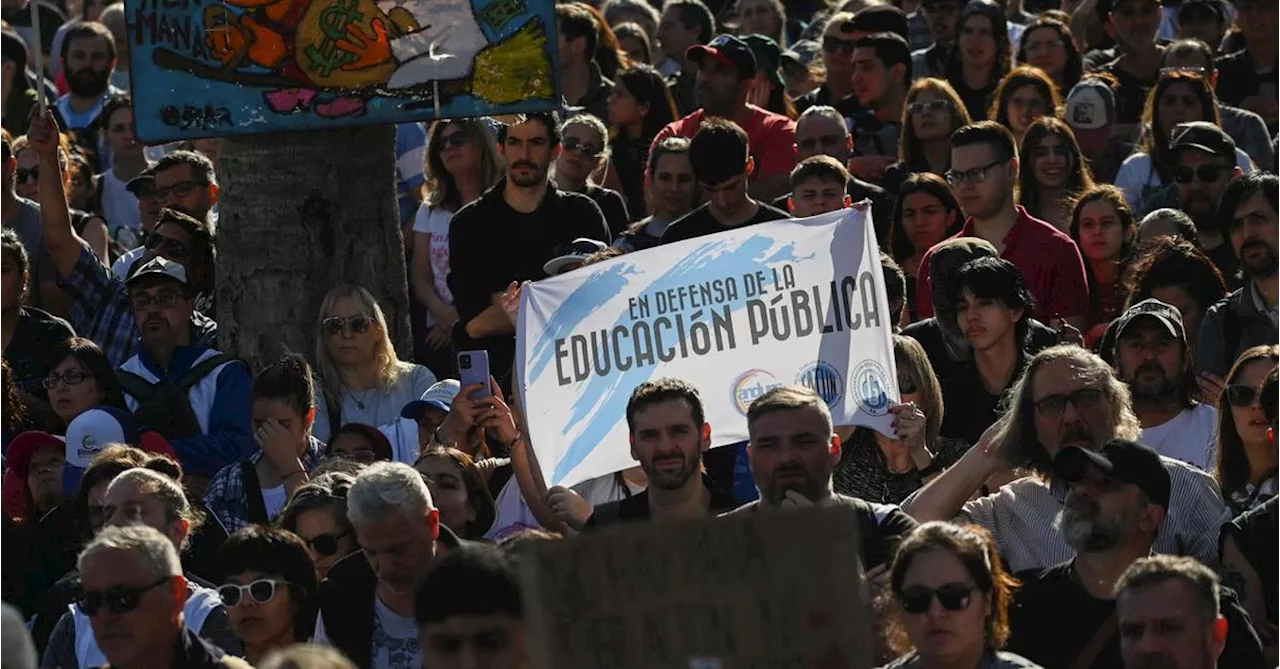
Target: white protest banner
798, 301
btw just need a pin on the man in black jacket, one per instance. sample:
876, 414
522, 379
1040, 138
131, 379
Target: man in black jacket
367, 601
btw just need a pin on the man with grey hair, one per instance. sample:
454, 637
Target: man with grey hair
133, 597
1170, 615
792, 450
1066, 397
366, 603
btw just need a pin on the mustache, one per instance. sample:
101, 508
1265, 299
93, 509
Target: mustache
1254, 243
524, 163
1149, 367
1076, 431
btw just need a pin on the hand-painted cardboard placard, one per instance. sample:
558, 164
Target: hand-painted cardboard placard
209, 68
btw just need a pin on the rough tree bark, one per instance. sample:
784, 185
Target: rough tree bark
300, 213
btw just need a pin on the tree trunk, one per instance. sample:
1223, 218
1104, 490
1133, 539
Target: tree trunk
300, 213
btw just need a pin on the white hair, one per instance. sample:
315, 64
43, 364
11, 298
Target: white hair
385, 488
824, 111
154, 549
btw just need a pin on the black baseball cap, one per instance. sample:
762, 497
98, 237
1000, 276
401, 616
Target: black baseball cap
726, 49
146, 177
1201, 9
881, 19
1203, 136
1122, 460
768, 56
1162, 312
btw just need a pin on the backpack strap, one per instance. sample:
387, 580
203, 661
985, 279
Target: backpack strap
201, 370
136, 386
257, 507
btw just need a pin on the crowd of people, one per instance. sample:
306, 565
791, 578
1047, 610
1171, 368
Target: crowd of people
1077, 209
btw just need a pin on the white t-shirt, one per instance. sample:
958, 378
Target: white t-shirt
1137, 174
124, 262
119, 206
395, 638
1187, 436
274, 499
434, 221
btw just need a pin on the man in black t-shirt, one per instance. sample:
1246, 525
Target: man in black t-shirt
1117, 498
721, 164
29, 334
1170, 615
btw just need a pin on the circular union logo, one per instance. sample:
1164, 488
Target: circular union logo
749, 386
870, 388
824, 380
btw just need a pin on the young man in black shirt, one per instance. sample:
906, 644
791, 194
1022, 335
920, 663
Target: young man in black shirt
509, 234
1116, 499
29, 334
722, 165
669, 435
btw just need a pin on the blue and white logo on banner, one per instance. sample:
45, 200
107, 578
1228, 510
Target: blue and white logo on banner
799, 301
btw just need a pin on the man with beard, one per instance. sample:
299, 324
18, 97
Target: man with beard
508, 235
1204, 163
792, 450
1247, 219
726, 70
669, 435
1117, 497
984, 171
1066, 397
88, 57
1152, 357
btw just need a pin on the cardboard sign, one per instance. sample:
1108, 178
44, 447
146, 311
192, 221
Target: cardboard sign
208, 69
758, 590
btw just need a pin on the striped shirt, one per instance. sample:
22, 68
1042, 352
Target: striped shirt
1020, 516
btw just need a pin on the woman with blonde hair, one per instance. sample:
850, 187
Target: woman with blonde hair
933, 112
361, 379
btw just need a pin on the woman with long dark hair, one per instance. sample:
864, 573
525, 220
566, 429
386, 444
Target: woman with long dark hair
1024, 96
768, 89
1246, 458
933, 111
670, 190
80, 378
459, 489
1176, 272
926, 212
1104, 229
1048, 44
980, 57
1053, 173
640, 105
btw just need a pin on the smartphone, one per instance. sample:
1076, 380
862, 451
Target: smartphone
473, 367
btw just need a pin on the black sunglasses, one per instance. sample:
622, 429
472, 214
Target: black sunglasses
120, 598
334, 325
23, 174
174, 247
261, 590
834, 44
325, 545
454, 140
1241, 396
1206, 173
575, 144
953, 597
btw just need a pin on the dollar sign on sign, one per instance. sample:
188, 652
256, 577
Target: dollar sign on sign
334, 20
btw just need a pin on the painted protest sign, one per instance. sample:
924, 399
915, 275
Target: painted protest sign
205, 68
735, 314
767, 591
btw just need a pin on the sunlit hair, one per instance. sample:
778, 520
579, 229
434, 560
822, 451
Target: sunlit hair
1232, 466
900, 246
306, 656
1171, 261
478, 496
442, 187
911, 358
778, 33
580, 20
788, 398
385, 489
910, 150
154, 549
1080, 179
597, 126
327, 492
1016, 431
1155, 136
388, 366
1074, 66
976, 550
1020, 77
1128, 230
165, 489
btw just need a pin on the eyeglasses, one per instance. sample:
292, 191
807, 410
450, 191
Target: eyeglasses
335, 325
325, 545
918, 108
1240, 395
906, 384
120, 598
586, 149
1206, 173
23, 175
261, 590
976, 175
181, 189
454, 140
812, 143
72, 377
162, 300
833, 44
364, 456
168, 245
1053, 405
917, 599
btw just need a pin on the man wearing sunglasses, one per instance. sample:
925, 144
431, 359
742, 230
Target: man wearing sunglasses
134, 595
837, 59
1116, 500
1066, 397
1247, 219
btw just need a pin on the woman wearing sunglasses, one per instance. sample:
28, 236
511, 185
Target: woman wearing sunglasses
361, 380
1246, 469
886, 470
584, 152
270, 590
951, 597
459, 489
932, 113
318, 514
283, 410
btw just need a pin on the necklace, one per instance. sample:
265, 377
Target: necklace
359, 404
